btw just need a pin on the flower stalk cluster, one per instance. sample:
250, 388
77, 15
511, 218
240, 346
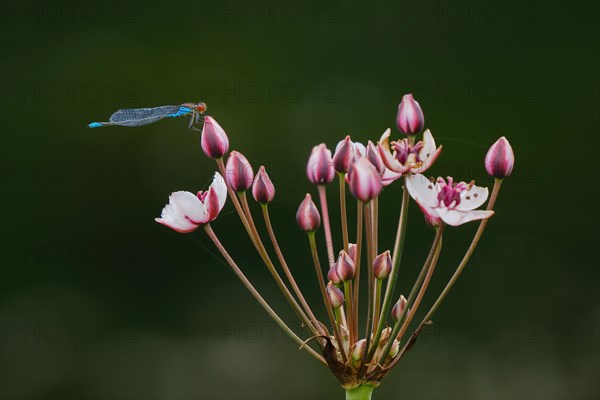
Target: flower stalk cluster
359, 356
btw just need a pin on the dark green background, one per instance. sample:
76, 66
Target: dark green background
98, 301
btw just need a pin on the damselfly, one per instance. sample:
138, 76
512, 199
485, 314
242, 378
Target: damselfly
145, 116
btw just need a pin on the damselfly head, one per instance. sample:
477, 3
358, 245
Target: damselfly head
200, 107
196, 107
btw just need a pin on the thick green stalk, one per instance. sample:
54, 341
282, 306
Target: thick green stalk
362, 392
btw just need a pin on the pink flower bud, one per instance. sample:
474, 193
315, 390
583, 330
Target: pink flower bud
365, 181
352, 251
410, 119
398, 308
382, 265
344, 155
358, 351
239, 172
395, 349
214, 140
345, 267
320, 165
263, 189
308, 217
372, 154
336, 297
500, 159
333, 276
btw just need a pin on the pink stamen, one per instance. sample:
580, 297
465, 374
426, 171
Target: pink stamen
450, 193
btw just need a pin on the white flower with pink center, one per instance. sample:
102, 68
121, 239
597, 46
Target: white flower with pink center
453, 203
187, 211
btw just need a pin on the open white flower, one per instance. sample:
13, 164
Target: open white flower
453, 203
187, 211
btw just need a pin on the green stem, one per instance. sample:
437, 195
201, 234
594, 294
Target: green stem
267, 260
284, 265
359, 229
342, 180
326, 225
368, 210
377, 302
335, 326
257, 296
467, 256
397, 256
349, 302
414, 299
362, 392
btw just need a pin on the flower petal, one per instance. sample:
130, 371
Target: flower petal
389, 177
359, 149
191, 207
456, 217
218, 184
385, 139
422, 190
472, 198
428, 146
173, 214
390, 162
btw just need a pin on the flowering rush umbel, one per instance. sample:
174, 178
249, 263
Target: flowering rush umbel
359, 355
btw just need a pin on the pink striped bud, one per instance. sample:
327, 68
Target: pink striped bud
358, 351
333, 276
263, 189
344, 155
372, 154
398, 308
308, 217
365, 181
500, 159
336, 297
345, 267
382, 265
319, 168
352, 251
410, 119
214, 140
239, 172
395, 349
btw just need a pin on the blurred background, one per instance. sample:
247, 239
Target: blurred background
98, 301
